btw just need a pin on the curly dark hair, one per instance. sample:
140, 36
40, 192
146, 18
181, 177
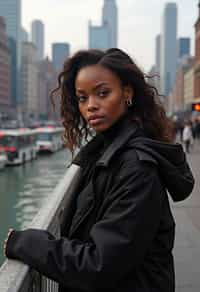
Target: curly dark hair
147, 106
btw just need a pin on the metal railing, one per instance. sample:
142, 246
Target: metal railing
17, 277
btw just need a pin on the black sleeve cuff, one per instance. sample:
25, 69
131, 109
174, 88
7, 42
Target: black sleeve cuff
11, 241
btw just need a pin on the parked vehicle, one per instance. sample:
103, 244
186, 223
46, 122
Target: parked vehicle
19, 145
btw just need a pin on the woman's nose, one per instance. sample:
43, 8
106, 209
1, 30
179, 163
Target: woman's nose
92, 104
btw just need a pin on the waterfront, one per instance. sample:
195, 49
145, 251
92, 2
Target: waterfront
24, 189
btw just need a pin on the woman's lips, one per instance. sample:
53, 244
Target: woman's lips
95, 121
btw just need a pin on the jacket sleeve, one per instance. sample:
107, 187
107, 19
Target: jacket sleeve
118, 242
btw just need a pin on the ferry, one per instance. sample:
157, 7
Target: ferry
19, 145
49, 139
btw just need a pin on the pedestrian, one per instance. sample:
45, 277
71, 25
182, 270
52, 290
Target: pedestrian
119, 235
187, 136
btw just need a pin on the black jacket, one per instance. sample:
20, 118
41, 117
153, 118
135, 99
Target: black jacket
118, 233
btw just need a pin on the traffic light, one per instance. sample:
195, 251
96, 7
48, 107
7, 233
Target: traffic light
196, 107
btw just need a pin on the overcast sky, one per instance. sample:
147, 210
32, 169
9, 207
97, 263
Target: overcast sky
139, 23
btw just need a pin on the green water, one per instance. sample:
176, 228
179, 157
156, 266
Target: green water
24, 189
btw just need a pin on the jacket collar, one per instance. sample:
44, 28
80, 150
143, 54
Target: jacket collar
125, 130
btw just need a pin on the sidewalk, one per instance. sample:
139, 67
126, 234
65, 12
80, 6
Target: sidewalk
187, 243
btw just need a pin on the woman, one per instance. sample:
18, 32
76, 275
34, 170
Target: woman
121, 233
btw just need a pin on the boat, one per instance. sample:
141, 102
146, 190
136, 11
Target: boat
3, 158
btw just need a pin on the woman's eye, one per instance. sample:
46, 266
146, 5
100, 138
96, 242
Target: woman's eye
103, 93
81, 98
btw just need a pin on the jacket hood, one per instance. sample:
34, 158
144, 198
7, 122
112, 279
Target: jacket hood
172, 165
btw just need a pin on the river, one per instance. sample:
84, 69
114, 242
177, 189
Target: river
24, 189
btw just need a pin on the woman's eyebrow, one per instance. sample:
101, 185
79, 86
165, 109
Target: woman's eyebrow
100, 84
79, 90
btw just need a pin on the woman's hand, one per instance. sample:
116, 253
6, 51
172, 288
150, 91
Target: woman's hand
6, 240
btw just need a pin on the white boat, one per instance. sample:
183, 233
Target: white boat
3, 158
19, 145
49, 139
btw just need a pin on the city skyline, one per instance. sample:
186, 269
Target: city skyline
61, 25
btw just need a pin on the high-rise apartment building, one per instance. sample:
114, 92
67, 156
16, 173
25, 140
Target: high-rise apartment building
47, 82
5, 70
37, 37
60, 52
11, 11
29, 76
168, 62
110, 19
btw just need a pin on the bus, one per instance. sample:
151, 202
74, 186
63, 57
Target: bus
49, 139
19, 145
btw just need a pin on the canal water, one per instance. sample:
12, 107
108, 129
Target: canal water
24, 189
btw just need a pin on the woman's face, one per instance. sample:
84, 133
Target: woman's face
101, 97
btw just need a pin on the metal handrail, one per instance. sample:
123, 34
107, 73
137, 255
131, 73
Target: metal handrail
18, 277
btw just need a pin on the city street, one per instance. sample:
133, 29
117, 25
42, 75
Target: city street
187, 244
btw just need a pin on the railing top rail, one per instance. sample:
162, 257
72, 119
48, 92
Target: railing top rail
13, 273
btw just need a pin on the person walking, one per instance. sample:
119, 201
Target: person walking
187, 136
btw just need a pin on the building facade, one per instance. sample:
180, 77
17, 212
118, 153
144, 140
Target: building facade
47, 82
37, 37
168, 48
24, 35
183, 47
5, 71
105, 36
197, 58
180, 86
60, 52
189, 87
98, 37
29, 75
157, 61
11, 11
110, 19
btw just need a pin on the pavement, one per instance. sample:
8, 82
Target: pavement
187, 241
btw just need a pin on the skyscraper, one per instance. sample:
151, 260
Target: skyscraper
11, 11
110, 18
60, 51
98, 37
157, 61
168, 48
37, 37
157, 57
29, 78
183, 47
5, 70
